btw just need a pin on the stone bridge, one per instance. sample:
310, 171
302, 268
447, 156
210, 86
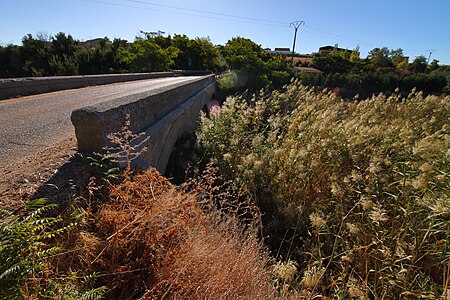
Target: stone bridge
163, 115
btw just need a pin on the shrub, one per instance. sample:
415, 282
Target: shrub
370, 83
157, 241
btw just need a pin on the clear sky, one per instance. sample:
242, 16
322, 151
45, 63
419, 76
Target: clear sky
416, 26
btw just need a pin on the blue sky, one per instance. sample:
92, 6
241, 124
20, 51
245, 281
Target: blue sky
416, 26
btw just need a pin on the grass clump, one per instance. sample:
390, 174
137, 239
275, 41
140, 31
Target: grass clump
161, 243
355, 192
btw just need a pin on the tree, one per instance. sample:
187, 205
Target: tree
204, 55
434, 65
253, 68
98, 60
247, 59
354, 57
380, 58
397, 57
419, 65
35, 55
182, 43
331, 64
11, 62
63, 60
146, 56
63, 44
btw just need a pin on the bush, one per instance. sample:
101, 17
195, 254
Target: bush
355, 192
370, 83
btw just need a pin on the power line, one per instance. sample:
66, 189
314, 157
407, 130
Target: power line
309, 28
236, 18
232, 18
206, 12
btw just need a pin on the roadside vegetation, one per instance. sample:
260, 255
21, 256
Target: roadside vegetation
306, 196
355, 194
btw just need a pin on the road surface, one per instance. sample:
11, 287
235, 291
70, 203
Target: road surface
31, 124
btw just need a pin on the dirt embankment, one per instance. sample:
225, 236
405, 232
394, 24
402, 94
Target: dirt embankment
53, 171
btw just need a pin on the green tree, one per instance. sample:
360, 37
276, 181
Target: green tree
279, 71
247, 59
434, 65
63, 44
98, 60
204, 55
396, 56
35, 55
10, 62
380, 58
354, 57
146, 56
182, 43
195, 54
331, 63
398, 59
419, 65
251, 67
63, 60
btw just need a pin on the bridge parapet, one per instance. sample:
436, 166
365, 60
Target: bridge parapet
163, 114
14, 87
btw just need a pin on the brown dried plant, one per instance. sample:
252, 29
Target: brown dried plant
161, 242
127, 146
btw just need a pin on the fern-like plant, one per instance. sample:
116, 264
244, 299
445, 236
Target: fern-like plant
25, 248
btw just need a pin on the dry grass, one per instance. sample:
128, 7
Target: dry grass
158, 243
356, 192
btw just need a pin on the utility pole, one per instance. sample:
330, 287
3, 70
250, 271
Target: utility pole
296, 25
429, 56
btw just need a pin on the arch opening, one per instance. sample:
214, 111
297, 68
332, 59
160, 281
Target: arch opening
184, 154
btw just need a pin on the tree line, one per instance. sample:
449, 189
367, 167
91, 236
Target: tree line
249, 65
63, 55
383, 70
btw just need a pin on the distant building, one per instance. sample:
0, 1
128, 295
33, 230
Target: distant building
93, 43
285, 51
325, 50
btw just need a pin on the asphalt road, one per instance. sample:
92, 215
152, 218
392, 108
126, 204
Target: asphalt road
33, 123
